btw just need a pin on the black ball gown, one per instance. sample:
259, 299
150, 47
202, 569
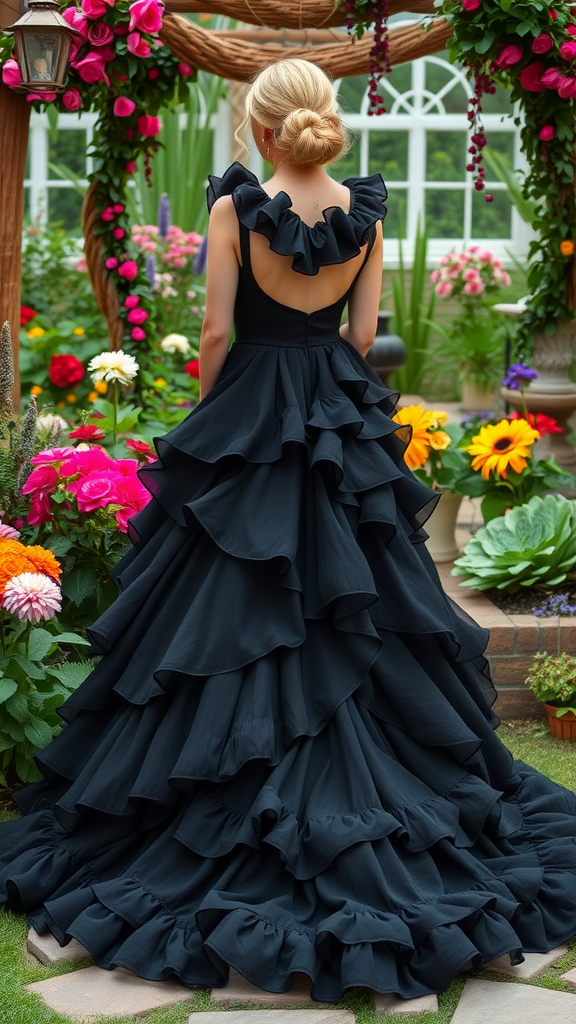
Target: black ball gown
286, 759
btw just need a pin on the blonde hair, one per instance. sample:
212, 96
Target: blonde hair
295, 100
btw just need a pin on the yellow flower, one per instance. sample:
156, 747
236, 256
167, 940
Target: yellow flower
440, 417
60, 404
418, 421
505, 444
35, 332
93, 396
159, 382
101, 387
71, 398
439, 440
566, 248
79, 331
35, 389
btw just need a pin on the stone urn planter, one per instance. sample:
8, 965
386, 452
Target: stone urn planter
388, 353
441, 528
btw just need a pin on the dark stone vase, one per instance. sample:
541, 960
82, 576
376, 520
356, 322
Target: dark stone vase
388, 353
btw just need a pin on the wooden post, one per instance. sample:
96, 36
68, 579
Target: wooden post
14, 122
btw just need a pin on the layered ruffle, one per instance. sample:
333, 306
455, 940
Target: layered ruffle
337, 238
286, 760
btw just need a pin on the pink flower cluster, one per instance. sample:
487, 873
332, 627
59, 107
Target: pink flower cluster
99, 37
471, 273
175, 251
93, 477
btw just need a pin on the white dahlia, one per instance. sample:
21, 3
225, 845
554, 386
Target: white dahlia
32, 596
113, 367
175, 343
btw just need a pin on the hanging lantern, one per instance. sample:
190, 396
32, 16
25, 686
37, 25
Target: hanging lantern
42, 41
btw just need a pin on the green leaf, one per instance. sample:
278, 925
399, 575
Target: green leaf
7, 688
72, 638
72, 673
38, 732
58, 544
29, 667
80, 584
17, 706
40, 643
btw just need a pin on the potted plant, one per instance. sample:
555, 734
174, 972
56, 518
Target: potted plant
434, 456
474, 342
552, 679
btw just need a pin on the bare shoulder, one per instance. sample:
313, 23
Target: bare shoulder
223, 210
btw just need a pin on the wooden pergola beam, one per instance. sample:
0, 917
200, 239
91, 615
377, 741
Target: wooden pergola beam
239, 61
320, 14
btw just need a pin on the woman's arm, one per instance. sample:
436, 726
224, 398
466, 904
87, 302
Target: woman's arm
221, 287
364, 301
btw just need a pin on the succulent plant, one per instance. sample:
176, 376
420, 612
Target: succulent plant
534, 545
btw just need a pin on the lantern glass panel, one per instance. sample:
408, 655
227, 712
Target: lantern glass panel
42, 54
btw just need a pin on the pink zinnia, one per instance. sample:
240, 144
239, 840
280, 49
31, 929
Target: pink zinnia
32, 596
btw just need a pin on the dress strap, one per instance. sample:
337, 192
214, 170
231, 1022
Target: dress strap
245, 247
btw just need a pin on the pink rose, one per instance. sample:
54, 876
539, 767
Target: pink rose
118, 234
547, 133
50, 455
146, 16
444, 289
552, 78
530, 77
153, 73
567, 88
118, 208
33, 97
149, 126
80, 463
137, 334
96, 490
130, 167
91, 68
111, 263
571, 30
138, 46
185, 70
76, 19
94, 8
542, 43
508, 56
470, 5
100, 34
471, 275
107, 215
11, 74
131, 301
137, 316
128, 270
474, 287
39, 509
123, 106
131, 493
568, 50
44, 479
435, 276
72, 99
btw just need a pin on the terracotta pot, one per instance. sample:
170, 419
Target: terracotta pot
476, 399
563, 728
441, 528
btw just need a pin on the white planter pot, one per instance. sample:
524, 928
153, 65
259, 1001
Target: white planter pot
475, 399
441, 528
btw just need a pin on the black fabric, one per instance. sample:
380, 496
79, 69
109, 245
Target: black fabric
286, 759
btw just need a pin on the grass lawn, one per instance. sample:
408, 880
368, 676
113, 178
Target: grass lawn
528, 741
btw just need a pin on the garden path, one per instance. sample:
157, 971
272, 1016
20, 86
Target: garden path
512, 995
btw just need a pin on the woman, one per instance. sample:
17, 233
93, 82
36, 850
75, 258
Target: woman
285, 761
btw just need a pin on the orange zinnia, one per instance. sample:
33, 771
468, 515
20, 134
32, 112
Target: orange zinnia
16, 558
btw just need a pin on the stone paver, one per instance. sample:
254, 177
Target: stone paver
394, 1004
534, 963
489, 1002
90, 993
324, 1016
49, 952
239, 992
570, 976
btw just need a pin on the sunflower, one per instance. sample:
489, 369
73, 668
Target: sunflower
502, 445
440, 417
420, 421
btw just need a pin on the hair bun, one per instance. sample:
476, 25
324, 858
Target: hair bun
310, 137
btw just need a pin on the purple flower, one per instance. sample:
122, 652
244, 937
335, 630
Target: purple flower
555, 604
151, 269
200, 257
517, 376
163, 216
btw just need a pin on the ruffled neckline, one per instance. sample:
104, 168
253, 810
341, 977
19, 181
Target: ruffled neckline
336, 238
